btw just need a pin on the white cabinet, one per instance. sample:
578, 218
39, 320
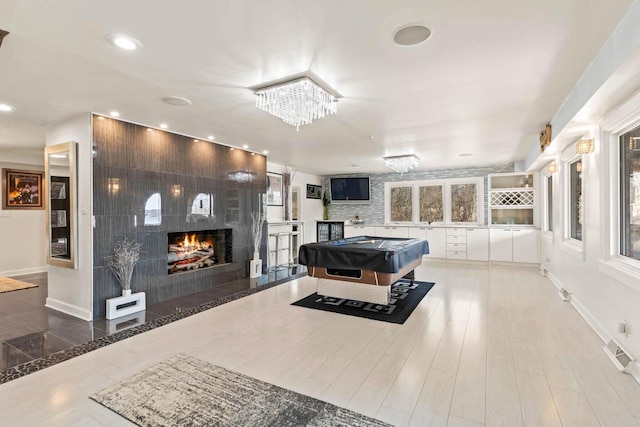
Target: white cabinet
525, 245
358, 230
437, 242
456, 243
418, 233
478, 244
501, 244
392, 231
514, 245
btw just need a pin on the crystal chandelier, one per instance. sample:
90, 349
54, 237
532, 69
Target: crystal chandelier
297, 102
401, 164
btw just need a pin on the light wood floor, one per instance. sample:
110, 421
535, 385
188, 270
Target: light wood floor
487, 346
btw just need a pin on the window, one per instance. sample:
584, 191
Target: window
463, 203
575, 202
549, 203
441, 201
401, 204
630, 194
431, 206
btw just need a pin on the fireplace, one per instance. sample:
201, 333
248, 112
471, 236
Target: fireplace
195, 250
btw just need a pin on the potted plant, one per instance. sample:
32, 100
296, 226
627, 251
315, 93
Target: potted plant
326, 201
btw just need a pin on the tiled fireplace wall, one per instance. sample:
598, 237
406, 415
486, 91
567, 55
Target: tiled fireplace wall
133, 168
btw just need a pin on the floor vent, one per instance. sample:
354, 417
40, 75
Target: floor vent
618, 355
565, 294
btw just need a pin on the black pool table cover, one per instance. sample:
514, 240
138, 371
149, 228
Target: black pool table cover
383, 255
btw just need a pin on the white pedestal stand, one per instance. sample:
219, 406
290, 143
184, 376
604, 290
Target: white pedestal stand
115, 305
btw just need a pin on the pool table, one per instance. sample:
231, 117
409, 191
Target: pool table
362, 268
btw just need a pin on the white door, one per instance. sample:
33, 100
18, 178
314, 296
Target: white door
437, 242
525, 245
500, 244
478, 244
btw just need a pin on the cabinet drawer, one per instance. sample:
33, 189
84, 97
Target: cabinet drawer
457, 247
456, 231
456, 239
456, 255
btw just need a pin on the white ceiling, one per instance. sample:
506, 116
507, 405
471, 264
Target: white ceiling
491, 76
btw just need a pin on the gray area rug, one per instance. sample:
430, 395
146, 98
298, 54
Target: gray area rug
185, 391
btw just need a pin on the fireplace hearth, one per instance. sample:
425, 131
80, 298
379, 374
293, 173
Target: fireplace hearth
195, 250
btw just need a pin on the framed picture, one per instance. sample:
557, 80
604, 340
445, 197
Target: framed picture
21, 189
314, 191
274, 189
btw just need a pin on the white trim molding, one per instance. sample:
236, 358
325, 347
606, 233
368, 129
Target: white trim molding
69, 309
24, 271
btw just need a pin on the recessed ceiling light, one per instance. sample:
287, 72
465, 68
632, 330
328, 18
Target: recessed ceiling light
465, 155
6, 108
164, 126
124, 42
211, 137
177, 101
265, 152
411, 35
114, 114
245, 146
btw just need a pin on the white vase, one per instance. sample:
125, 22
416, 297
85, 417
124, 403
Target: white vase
255, 266
126, 292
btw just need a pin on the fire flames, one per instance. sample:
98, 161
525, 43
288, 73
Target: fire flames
191, 243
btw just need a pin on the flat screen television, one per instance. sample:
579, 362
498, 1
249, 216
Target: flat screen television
350, 190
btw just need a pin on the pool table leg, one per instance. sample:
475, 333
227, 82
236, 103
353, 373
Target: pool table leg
411, 276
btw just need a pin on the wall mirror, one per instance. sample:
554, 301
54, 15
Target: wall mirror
60, 177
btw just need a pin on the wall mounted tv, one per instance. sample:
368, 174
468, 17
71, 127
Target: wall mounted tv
350, 190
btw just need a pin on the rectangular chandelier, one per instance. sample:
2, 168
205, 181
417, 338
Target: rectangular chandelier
401, 164
297, 102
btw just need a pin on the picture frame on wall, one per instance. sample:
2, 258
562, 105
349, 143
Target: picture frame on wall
274, 189
314, 191
22, 189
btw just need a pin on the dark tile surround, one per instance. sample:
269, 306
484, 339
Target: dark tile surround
132, 163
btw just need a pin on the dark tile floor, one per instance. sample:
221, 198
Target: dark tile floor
29, 330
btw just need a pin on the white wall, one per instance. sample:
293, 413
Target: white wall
602, 291
71, 291
311, 208
22, 232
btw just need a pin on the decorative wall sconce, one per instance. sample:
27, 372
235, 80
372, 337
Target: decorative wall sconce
552, 167
176, 190
545, 138
584, 146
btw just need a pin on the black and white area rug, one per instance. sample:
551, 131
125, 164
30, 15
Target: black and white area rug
405, 297
185, 391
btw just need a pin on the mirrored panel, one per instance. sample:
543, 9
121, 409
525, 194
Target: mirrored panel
60, 176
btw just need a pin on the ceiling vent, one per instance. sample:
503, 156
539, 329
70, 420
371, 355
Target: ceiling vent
3, 34
618, 355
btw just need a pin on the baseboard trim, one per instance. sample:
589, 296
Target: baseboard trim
24, 271
69, 309
592, 322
